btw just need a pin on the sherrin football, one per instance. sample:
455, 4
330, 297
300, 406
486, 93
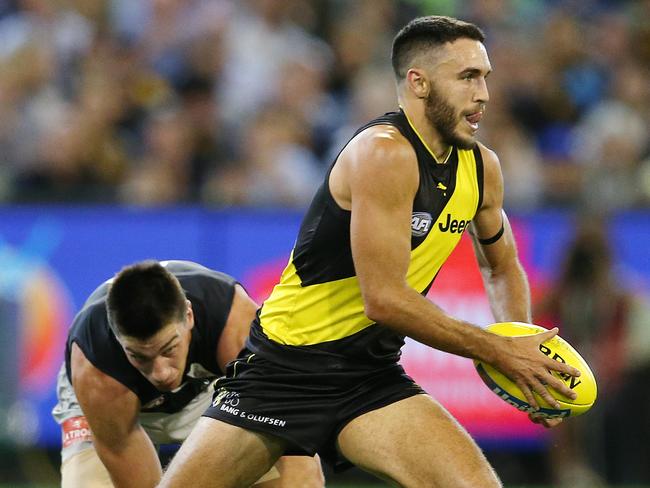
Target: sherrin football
560, 350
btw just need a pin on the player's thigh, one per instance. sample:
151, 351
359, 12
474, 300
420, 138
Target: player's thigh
415, 442
297, 472
85, 470
220, 455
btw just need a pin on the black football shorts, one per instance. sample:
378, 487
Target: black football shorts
303, 406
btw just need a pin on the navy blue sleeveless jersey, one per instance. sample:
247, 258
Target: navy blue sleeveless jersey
211, 294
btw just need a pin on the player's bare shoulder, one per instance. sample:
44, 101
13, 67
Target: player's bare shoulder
379, 147
379, 153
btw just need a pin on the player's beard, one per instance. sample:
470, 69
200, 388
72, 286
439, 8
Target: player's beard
444, 119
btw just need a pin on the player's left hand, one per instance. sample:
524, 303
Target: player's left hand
548, 423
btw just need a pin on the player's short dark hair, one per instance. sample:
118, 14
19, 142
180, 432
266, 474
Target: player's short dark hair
143, 298
424, 33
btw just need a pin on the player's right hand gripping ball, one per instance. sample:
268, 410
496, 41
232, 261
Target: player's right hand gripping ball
556, 348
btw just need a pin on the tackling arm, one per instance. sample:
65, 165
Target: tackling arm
112, 413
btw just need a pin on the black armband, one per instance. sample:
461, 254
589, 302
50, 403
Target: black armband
494, 238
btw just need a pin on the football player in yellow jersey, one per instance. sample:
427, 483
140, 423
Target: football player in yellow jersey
320, 370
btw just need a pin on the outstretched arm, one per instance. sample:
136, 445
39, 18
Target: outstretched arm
112, 413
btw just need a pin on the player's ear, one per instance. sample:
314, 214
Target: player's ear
189, 314
417, 81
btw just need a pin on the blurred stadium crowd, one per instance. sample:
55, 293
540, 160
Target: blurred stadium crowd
245, 102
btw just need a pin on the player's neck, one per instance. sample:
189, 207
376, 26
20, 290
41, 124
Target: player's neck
429, 135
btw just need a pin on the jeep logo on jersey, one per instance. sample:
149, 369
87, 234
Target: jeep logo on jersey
453, 226
420, 223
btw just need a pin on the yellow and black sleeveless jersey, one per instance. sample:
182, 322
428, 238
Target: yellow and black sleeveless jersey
317, 307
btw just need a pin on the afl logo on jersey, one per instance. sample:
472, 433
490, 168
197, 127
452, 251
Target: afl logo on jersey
420, 224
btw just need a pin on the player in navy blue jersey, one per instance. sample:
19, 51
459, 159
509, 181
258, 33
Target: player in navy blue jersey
141, 359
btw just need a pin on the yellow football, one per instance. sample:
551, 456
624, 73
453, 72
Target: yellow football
560, 350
